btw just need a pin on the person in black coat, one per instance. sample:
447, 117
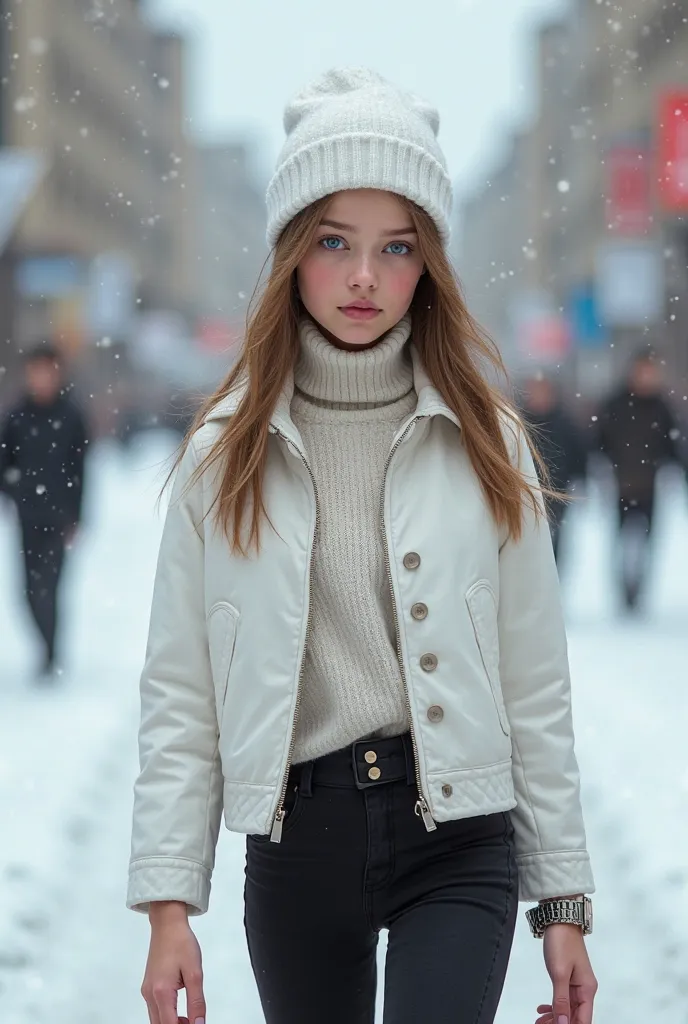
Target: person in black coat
43, 444
638, 433
559, 442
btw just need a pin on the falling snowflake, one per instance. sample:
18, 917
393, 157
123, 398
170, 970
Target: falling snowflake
564, 186
163, 83
24, 103
41, 489
38, 47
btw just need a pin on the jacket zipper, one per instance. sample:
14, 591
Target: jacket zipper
278, 821
422, 809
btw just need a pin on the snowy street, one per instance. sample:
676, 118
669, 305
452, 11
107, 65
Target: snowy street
70, 952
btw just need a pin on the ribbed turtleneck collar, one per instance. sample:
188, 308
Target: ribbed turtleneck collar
376, 377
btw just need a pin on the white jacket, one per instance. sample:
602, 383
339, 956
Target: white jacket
219, 689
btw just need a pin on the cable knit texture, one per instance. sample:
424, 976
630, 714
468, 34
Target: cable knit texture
350, 129
348, 407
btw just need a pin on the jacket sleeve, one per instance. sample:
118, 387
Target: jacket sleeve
576, 450
7, 456
548, 821
77, 462
178, 793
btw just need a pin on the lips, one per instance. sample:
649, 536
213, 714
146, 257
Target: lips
362, 310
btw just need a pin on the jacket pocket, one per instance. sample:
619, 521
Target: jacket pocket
482, 607
222, 624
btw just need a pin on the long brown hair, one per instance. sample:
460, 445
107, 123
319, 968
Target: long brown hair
455, 352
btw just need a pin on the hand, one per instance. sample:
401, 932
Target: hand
174, 962
575, 985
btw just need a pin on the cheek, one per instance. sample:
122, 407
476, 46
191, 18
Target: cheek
316, 276
402, 284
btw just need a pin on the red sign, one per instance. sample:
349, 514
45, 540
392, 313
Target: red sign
629, 206
673, 150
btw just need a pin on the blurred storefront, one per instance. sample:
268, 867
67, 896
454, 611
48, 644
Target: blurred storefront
98, 95
602, 179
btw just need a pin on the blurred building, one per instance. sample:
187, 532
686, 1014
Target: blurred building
231, 237
96, 95
495, 275
604, 247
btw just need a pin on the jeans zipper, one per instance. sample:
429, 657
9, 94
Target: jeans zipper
278, 821
422, 809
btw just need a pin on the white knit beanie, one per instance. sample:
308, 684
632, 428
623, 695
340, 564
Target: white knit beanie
353, 129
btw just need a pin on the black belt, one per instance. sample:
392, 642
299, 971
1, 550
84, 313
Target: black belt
364, 764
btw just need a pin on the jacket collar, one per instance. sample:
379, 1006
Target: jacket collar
430, 401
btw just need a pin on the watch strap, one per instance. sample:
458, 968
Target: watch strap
576, 912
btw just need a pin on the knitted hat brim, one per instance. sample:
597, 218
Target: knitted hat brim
354, 161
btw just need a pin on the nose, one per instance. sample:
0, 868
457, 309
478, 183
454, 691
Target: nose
362, 274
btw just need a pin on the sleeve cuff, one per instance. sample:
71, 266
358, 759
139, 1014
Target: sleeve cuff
168, 878
545, 875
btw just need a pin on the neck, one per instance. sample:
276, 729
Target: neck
365, 378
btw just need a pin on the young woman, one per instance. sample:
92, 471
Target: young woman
356, 645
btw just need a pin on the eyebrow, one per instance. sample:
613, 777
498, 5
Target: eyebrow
348, 227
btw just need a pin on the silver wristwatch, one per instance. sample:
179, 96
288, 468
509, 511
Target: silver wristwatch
578, 912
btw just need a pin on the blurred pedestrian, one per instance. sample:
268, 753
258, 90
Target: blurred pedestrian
638, 433
356, 642
559, 441
42, 453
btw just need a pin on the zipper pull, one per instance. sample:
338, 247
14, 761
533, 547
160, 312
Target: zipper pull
423, 811
276, 834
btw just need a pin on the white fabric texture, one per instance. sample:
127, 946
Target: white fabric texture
351, 129
347, 407
226, 640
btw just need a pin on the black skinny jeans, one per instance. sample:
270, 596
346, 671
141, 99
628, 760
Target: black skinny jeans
353, 861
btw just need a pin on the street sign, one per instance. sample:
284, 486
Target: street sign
629, 283
673, 150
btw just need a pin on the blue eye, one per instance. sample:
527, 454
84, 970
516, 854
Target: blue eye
399, 248
325, 243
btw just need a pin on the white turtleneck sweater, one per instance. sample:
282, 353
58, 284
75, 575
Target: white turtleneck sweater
348, 406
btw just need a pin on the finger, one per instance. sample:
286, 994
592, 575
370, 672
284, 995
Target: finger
166, 1002
561, 1007
584, 1009
153, 1015
195, 1000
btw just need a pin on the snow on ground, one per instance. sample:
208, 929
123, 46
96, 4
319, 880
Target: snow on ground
70, 953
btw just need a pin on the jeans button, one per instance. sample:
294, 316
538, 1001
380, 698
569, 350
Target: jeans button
419, 611
411, 560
